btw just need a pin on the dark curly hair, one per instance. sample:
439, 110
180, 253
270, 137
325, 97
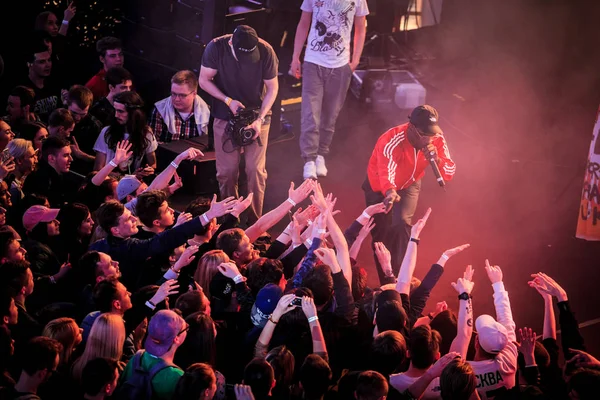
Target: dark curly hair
137, 125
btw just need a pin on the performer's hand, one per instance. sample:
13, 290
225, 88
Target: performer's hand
391, 197
296, 68
429, 149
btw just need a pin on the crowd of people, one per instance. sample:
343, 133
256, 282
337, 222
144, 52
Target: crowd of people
106, 291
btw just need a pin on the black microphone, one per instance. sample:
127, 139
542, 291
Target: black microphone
430, 156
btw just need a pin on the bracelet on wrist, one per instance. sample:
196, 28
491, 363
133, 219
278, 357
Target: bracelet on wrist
444, 257
308, 242
150, 304
416, 240
272, 320
238, 278
364, 214
430, 316
204, 218
322, 231
292, 202
228, 101
464, 296
174, 164
113, 164
313, 319
65, 22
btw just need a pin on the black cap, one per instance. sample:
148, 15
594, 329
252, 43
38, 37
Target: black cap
245, 44
425, 119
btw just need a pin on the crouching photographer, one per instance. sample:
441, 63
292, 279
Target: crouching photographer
240, 72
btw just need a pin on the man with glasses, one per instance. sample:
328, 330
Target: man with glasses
166, 332
394, 175
184, 114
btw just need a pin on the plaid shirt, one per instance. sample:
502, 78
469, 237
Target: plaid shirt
185, 129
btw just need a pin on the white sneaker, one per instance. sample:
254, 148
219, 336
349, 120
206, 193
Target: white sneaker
310, 170
321, 168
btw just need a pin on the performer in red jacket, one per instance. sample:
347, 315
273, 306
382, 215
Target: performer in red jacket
394, 177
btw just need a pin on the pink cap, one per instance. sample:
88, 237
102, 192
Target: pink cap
36, 214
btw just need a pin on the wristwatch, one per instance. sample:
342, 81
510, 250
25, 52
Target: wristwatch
464, 296
416, 240
263, 120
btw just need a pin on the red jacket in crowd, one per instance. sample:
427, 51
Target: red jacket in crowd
396, 164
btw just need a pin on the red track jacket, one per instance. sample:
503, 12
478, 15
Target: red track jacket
396, 164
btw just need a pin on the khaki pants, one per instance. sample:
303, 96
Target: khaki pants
228, 167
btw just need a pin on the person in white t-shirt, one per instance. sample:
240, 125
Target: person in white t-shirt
495, 362
424, 351
326, 71
130, 124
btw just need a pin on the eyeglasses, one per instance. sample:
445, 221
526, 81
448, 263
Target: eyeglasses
181, 332
180, 95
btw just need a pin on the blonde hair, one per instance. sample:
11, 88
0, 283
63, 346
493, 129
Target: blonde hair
66, 331
18, 147
207, 268
106, 340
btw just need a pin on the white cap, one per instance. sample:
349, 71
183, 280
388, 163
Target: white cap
493, 336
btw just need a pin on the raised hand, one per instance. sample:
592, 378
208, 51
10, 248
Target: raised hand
283, 306
122, 152
296, 232
546, 284
229, 269
301, 193
241, 205
383, 256
243, 392
465, 284
584, 360
141, 173
419, 225
319, 225
366, 229
317, 198
308, 307
375, 209
189, 154
220, 208
309, 214
327, 256
69, 12
183, 218
437, 368
6, 167
165, 290
178, 184
454, 251
186, 258
527, 345
440, 307
493, 272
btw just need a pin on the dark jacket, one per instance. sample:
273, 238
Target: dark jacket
132, 253
45, 181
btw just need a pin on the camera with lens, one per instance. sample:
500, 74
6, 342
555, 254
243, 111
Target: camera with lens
236, 128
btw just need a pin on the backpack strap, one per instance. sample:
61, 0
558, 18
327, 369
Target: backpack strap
159, 366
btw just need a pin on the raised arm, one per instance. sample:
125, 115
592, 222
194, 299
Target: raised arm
501, 300
283, 306
570, 335
122, 153
464, 327
162, 180
410, 257
318, 340
549, 317
269, 219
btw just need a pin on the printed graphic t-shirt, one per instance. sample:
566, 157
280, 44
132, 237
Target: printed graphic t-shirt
328, 42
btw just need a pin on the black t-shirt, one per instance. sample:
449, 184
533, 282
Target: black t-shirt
47, 99
241, 81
